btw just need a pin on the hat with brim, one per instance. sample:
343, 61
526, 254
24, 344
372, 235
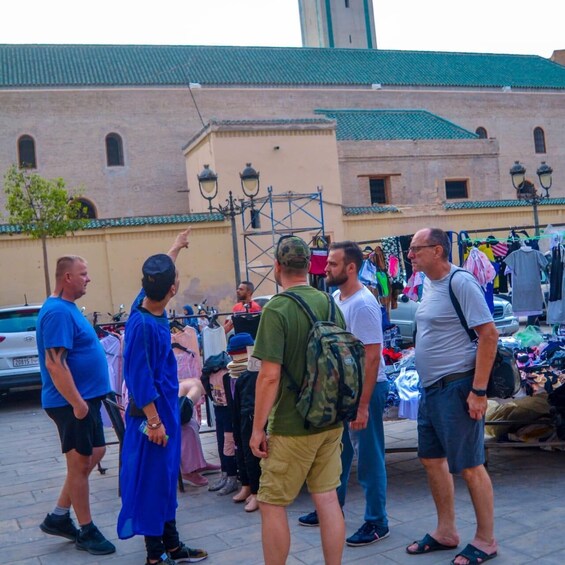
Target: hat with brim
292, 252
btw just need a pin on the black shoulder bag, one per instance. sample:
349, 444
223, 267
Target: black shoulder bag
504, 381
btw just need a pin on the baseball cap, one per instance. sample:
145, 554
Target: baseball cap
158, 273
292, 252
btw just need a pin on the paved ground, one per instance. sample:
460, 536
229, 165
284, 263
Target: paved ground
529, 488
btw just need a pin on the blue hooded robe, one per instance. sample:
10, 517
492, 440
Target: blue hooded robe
149, 472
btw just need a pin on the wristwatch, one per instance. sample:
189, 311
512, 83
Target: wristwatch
479, 391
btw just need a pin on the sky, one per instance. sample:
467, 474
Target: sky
478, 26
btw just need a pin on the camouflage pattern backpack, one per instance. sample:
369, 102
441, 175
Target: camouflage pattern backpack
333, 378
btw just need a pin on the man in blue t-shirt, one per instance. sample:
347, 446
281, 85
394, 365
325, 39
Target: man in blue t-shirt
74, 374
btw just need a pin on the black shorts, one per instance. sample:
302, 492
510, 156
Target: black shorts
82, 435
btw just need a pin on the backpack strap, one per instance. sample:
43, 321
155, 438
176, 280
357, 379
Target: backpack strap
455, 302
308, 311
313, 319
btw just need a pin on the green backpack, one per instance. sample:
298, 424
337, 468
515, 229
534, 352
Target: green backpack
335, 365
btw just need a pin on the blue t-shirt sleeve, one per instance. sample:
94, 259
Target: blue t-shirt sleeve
58, 329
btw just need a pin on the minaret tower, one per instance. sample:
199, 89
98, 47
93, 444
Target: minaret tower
337, 23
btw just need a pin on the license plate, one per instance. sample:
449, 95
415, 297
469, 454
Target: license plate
26, 361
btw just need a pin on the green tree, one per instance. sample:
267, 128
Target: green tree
41, 208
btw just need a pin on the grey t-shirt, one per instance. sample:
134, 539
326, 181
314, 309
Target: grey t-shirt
526, 264
443, 346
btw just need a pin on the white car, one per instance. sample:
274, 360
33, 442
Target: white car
405, 317
19, 361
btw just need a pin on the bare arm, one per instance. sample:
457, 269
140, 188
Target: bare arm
56, 365
486, 352
372, 362
181, 242
266, 391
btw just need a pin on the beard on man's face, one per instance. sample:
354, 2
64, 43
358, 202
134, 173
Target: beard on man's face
336, 280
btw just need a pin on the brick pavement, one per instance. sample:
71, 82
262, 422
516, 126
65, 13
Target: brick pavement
529, 490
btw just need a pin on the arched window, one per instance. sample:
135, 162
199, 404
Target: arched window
114, 150
481, 132
26, 152
539, 140
88, 209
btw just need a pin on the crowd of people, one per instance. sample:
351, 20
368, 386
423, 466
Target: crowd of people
276, 452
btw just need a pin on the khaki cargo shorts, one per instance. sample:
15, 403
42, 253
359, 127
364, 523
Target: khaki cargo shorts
293, 460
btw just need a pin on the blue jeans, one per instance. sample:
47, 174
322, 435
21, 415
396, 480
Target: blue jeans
371, 470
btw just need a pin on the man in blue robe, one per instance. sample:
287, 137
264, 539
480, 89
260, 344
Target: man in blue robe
151, 447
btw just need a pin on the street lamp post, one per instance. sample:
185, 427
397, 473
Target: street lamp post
526, 190
208, 185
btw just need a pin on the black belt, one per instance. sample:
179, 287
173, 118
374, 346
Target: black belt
444, 381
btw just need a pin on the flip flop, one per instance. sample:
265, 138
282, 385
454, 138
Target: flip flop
474, 555
428, 544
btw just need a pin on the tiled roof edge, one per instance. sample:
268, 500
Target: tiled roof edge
500, 204
359, 210
133, 221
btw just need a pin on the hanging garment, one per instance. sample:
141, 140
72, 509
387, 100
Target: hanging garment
318, 260
405, 241
526, 264
408, 387
478, 264
213, 341
556, 303
368, 273
556, 274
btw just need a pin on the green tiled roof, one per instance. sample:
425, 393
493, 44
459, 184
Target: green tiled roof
500, 204
154, 65
134, 221
359, 125
359, 210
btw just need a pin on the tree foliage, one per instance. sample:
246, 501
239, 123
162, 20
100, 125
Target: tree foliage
41, 208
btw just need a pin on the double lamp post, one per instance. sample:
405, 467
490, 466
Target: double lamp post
526, 190
208, 185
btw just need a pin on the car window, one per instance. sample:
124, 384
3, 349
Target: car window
18, 321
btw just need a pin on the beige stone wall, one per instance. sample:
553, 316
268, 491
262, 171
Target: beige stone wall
417, 170
376, 226
115, 257
69, 127
297, 159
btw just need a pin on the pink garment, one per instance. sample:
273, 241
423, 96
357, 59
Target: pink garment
411, 290
478, 264
189, 361
191, 454
318, 260
217, 388
393, 266
189, 340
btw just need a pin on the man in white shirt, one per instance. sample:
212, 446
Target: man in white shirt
363, 317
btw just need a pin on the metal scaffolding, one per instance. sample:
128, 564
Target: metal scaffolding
284, 214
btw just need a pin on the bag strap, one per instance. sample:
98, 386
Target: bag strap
304, 306
457, 306
313, 319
